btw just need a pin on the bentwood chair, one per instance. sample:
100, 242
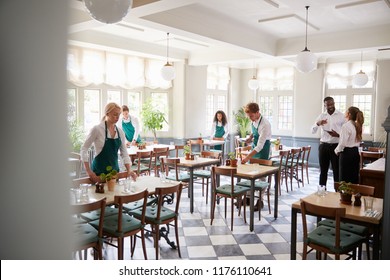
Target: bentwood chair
328, 240
195, 143
231, 191
124, 225
205, 173
85, 235
284, 158
292, 165
304, 163
351, 227
173, 172
157, 154
158, 214
143, 163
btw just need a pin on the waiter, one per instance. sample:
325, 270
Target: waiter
130, 126
330, 123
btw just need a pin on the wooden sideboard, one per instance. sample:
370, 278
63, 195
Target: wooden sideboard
374, 175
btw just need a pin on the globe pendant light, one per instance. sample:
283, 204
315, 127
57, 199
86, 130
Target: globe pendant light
306, 61
108, 11
253, 83
168, 71
361, 78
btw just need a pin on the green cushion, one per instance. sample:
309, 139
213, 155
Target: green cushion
137, 204
204, 173
141, 168
110, 224
226, 189
184, 177
259, 185
95, 215
357, 229
84, 234
325, 236
151, 214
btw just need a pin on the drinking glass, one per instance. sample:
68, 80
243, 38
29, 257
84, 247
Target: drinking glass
84, 192
127, 185
321, 190
368, 202
162, 177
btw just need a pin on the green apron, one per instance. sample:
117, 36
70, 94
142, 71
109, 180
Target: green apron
264, 153
108, 156
129, 130
219, 133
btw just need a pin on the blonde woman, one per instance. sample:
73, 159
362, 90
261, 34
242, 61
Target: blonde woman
348, 147
108, 139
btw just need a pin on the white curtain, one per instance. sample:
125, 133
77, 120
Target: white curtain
218, 77
281, 78
339, 75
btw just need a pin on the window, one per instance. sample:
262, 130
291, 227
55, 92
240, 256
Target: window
160, 102
91, 107
265, 104
364, 103
215, 101
285, 112
72, 105
134, 103
218, 77
114, 96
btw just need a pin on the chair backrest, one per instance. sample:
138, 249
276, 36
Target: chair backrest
158, 153
237, 141
261, 161
179, 148
119, 200
193, 142
243, 150
83, 180
211, 154
148, 155
174, 191
376, 149
220, 171
334, 213
295, 155
284, 156
168, 164
305, 154
362, 189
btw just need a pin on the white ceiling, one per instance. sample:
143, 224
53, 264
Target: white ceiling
239, 33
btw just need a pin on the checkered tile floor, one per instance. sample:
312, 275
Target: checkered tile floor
201, 241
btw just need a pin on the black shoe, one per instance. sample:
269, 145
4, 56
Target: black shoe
260, 204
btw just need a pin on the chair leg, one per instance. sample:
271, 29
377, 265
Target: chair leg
307, 174
177, 237
143, 243
120, 248
231, 214
157, 235
207, 190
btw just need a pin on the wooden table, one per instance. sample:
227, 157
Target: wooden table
354, 214
253, 172
191, 165
132, 150
373, 174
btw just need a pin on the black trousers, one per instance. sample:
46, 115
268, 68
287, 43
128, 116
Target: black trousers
327, 156
349, 164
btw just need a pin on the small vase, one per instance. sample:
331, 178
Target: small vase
233, 162
346, 198
188, 156
227, 162
111, 185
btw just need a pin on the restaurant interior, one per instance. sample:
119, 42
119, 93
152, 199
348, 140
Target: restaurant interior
221, 56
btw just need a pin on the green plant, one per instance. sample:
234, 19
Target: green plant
232, 155
111, 174
346, 188
242, 121
76, 135
152, 118
187, 149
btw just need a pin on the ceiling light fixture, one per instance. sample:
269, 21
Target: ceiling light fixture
253, 83
168, 71
361, 78
108, 11
306, 61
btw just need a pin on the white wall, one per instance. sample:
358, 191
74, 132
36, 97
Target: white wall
383, 98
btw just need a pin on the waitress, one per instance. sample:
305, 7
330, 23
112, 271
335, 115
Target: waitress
130, 126
261, 133
107, 139
219, 128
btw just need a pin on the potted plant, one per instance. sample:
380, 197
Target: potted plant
109, 177
141, 145
346, 192
200, 136
242, 121
152, 118
187, 151
233, 160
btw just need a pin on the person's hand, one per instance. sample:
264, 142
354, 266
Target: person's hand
244, 160
128, 144
93, 177
132, 174
333, 133
322, 122
133, 143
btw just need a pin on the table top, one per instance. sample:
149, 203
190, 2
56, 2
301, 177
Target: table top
332, 199
197, 162
252, 171
378, 165
132, 150
211, 142
143, 182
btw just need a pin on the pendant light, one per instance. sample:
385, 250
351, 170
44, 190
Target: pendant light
306, 61
361, 78
253, 83
168, 71
108, 11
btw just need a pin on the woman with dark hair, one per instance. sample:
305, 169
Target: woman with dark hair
130, 126
219, 128
348, 147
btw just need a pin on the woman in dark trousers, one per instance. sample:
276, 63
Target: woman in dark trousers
348, 147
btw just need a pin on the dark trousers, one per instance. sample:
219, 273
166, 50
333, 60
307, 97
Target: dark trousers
349, 163
326, 156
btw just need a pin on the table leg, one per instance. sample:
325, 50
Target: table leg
276, 202
191, 189
375, 243
293, 246
252, 202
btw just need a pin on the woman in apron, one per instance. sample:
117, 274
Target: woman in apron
130, 126
261, 133
219, 128
107, 139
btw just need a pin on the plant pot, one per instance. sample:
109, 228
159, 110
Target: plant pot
346, 198
192, 157
227, 163
233, 162
187, 156
111, 185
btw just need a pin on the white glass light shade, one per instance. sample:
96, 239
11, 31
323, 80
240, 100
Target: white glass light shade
306, 61
253, 83
168, 72
108, 11
360, 79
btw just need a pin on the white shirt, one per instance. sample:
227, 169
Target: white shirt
335, 122
265, 132
214, 128
347, 137
97, 137
134, 121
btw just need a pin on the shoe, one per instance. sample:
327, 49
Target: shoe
260, 204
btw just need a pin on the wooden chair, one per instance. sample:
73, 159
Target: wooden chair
222, 146
76, 163
124, 225
284, 158
205, 173
179, 150
304, 163
231, 191
194, 143
156, 163
143, 163
170, 164
368, 157
157, 214
243, 151
328, 240
85, 235
292, 165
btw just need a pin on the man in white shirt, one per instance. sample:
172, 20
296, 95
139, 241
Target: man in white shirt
330, 123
